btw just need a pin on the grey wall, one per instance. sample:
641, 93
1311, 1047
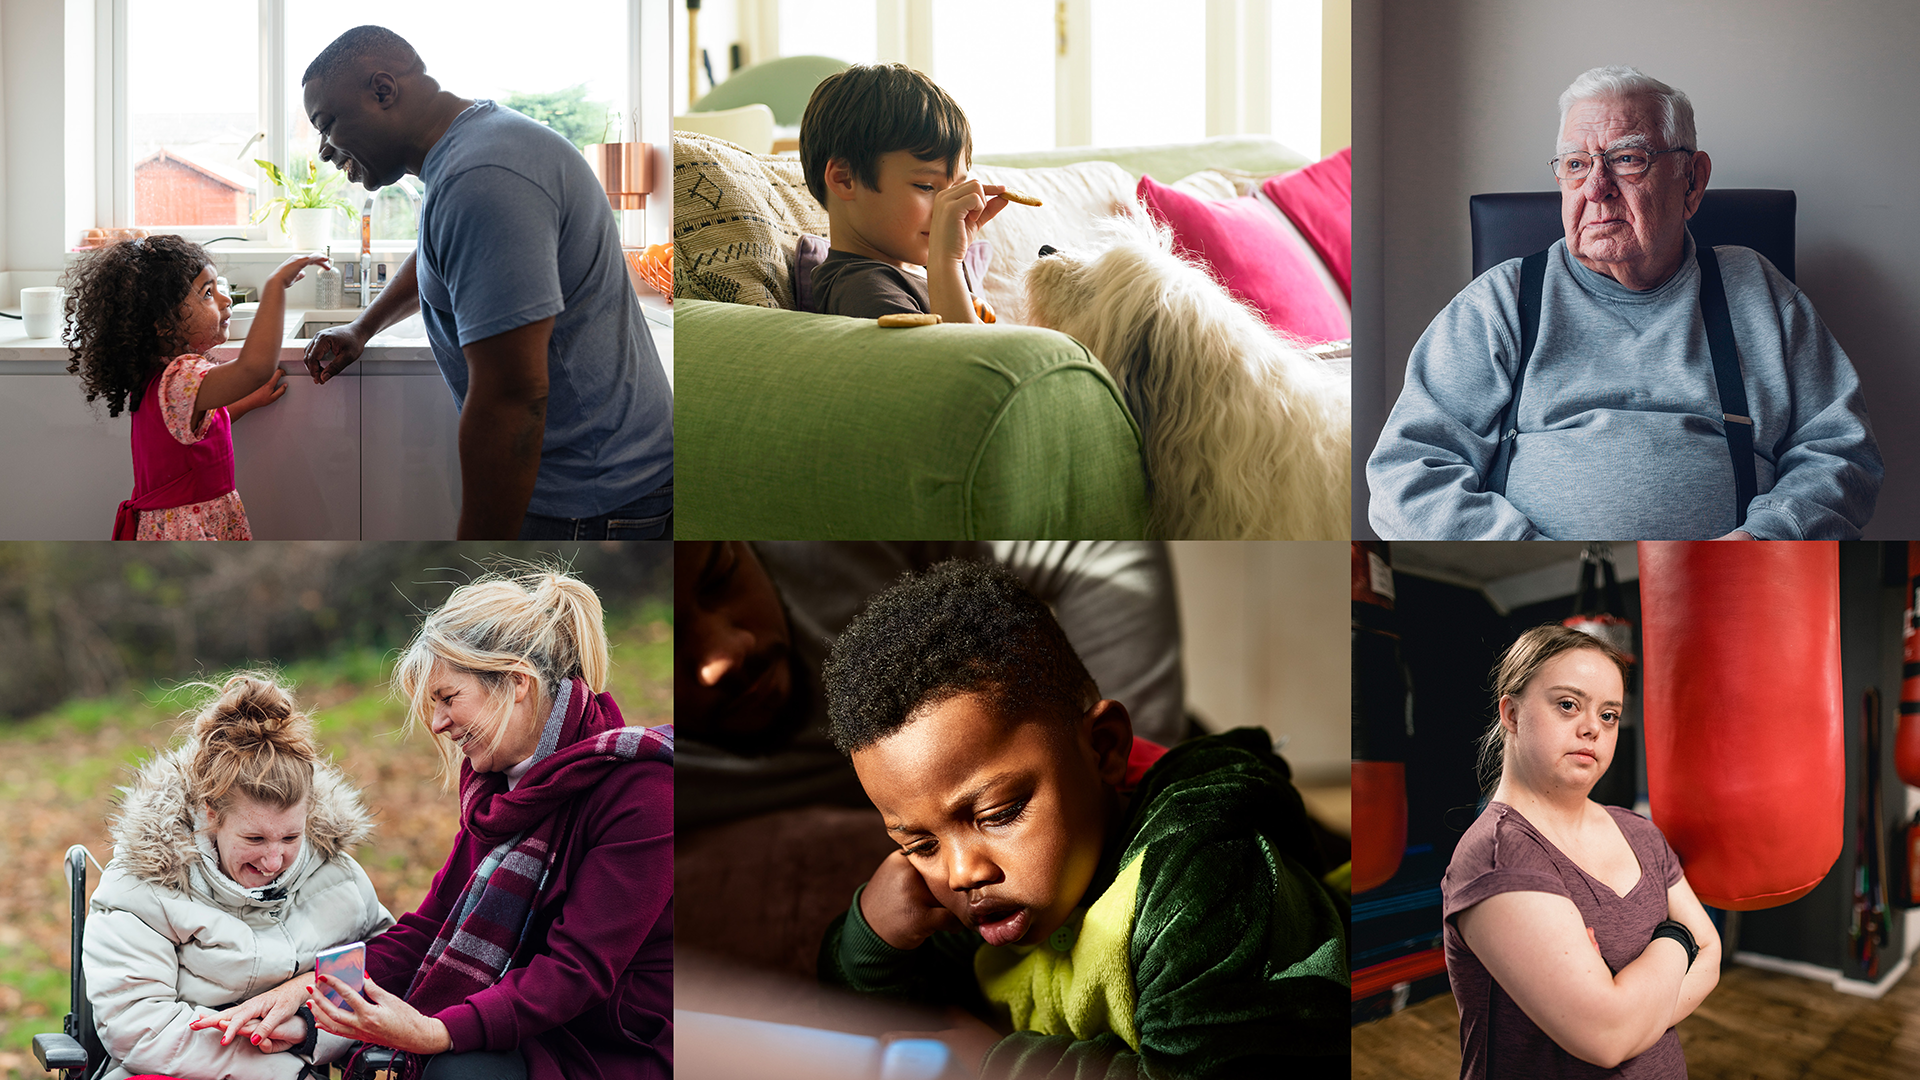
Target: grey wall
1371, 398
1260, 645
1817, 97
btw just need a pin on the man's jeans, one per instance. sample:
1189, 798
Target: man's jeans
649, 519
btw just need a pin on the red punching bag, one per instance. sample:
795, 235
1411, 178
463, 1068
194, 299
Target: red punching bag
1746, 760
1379, 702
1906, 740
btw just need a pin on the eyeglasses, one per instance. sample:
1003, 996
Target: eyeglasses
1574, 168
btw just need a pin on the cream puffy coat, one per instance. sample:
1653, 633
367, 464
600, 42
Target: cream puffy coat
170, 937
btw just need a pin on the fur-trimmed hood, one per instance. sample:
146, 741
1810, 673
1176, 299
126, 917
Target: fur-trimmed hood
153, 824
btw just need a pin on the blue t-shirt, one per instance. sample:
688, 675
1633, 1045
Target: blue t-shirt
515, 228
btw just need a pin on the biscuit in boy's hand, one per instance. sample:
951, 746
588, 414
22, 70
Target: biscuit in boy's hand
1020, 197
909, 318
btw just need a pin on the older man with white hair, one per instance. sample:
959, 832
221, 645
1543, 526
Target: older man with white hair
1626, 383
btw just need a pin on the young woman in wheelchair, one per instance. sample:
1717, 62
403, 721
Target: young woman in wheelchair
544, 948
231, 869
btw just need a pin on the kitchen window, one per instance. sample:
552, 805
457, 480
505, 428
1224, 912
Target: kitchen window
209, 85
191, 122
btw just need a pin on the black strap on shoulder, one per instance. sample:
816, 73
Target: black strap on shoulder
1533, 276
1726, 374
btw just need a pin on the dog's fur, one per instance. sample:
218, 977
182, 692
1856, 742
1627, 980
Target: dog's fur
1247, 437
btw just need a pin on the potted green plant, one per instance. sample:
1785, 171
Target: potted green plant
305, 201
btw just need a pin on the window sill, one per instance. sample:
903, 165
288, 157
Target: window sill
344, 248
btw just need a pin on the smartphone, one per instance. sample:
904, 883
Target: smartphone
348, 963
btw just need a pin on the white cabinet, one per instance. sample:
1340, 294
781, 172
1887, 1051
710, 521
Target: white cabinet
409, 453
64, 468
371, 455
296, 463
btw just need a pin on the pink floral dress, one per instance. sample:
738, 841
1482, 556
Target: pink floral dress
216, 519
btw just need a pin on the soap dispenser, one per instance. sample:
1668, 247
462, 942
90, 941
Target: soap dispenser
328, 289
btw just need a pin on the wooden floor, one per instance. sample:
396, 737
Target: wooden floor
1756, 1025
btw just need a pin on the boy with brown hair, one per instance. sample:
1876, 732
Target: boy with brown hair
886, 152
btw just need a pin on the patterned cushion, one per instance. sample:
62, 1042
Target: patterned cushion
736, 219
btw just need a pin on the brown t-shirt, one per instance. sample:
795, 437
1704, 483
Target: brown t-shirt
863, 288
1503, 852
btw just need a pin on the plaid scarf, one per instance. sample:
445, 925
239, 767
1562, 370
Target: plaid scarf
489, 922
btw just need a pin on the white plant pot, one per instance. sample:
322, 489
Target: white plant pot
310, 229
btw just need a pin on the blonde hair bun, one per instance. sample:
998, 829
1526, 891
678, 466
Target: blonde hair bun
251, 741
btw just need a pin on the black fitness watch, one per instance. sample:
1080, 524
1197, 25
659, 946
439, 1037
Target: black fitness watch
1678, 932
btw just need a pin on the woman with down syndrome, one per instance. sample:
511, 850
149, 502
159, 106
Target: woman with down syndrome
1573, 941
544, 948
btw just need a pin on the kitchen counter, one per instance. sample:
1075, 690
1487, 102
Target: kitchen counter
402, 341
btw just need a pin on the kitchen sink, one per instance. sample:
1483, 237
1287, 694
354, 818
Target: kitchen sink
409, 328
316, 321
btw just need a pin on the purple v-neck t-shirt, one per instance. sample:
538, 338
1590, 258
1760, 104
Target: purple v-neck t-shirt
1502, 852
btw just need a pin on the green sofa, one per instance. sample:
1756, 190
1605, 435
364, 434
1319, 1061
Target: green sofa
802, 426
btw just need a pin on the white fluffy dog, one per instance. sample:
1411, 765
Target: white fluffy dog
1247, 436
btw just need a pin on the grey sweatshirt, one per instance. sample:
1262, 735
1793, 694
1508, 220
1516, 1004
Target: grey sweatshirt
1621, 435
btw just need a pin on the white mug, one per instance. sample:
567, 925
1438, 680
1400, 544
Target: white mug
40, 310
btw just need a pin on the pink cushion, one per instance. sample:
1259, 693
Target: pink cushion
1252, 254
1319, 201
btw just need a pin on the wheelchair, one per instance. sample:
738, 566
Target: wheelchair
75, 1051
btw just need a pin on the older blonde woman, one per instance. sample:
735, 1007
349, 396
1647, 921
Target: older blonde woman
231, 869
1573, 940
545, 946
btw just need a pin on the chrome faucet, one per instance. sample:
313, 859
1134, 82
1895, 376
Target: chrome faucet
368, 280
362, 278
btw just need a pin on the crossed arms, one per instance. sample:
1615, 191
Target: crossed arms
1536, 946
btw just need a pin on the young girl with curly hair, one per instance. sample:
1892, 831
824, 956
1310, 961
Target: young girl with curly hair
142, 317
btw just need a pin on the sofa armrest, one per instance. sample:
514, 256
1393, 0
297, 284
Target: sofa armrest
790, 425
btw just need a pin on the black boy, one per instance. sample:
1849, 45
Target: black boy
1119, 920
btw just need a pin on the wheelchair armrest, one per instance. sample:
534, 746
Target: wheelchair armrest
58, 1051
370, 1061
